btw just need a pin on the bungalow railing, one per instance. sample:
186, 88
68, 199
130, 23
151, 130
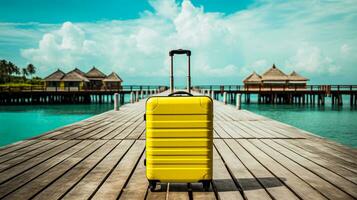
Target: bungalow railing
41, 88
221, 88
246, 88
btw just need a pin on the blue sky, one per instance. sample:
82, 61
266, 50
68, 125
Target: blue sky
59, 11
229, 39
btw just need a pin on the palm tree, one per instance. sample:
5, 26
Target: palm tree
31, 69
11, 69
24, 73
3, 70
17, 70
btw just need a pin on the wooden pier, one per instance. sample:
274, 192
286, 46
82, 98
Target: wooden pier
73, 95
102, 158
311, 94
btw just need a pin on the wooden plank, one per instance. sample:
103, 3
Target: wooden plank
20, 168
177, 191
124, 117
323, 146
121, 129
287, 131
88, 185
228, 129
219, 116
60, 130
336, 180
161, 192
320, 160
222, 183
94, 128
24, 150
341, 160
299, 186
247, 182
65, 134
248, 130
271, 183
59, 188
33, 173
143, 135
235, 127
138, 183
275, 134
16, 146
113, 185
221, 132
135, 134
105, 132
339, 147
41, 182
23, 158
128, 130
94, 132
215, 134
324, 187
199, 193
262, 134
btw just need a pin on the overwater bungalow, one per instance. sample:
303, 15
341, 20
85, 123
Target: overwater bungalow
296, 80
53, 81
112, 81
75, 80
253, 81
276, 79
95, 77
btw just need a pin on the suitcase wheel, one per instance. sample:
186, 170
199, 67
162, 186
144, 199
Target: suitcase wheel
152, 185
206, 185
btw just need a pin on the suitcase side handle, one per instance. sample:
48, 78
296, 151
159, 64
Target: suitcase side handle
180, 92
188, 53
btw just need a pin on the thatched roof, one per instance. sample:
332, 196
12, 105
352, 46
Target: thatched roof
55, 76
274, 74
79, 72
75, 76
113, 77
95, 74
253, 78
296, 77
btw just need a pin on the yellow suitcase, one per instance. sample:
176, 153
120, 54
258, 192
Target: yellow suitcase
179, 138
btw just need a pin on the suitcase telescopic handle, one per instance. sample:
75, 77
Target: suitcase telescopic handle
188, 53
180, 92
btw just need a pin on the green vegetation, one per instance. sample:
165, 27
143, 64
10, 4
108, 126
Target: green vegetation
12, 75
18, 85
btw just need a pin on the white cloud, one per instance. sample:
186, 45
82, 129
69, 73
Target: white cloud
165, 8
259, 66
310, 59
65, 48
299, 35
345, 49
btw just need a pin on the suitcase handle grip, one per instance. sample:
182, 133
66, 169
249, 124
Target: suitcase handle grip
180, 51
180, 92
188, 53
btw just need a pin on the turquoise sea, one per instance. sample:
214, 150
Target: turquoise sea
336, 123
26, 121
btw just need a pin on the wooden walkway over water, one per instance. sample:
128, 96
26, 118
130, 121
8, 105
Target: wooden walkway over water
102, 158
